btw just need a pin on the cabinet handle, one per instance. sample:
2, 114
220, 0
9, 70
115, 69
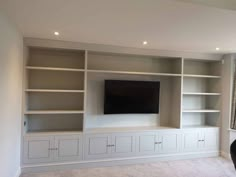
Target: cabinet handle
158, 142
110, 145
52, 149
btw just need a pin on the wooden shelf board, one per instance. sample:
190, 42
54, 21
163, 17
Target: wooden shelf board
200, 93
55, 112
134, 73
198, 126
54, 69
54, 132
200, 110
54, 90
201, 76
127, 129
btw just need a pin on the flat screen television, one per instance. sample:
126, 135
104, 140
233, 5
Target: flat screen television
131, 97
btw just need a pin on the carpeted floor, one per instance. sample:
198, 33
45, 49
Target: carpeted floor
208, 167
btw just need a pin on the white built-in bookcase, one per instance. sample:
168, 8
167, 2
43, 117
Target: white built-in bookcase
54, 90
201, 93
64, 90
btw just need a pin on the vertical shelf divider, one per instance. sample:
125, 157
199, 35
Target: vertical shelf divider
85, 87
182, 84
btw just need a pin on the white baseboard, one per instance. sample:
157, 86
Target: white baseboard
114, 162
225, 155
18, 172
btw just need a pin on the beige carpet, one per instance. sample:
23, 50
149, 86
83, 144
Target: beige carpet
209, 167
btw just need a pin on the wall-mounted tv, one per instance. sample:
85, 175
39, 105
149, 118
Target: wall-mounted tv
131, 97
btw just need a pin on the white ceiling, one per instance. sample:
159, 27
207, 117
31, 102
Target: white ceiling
165, 24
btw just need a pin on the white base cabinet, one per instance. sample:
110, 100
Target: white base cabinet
118, 145
200, 140
68, 148
38, 149
41, 149
152, 143
169, 143
98, 146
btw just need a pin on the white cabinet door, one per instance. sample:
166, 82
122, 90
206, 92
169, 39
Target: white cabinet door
123, 144
97, 146
68, 147
191, 141
168, 142
201, 140
38, 149
152, 143
146, 143
210, 139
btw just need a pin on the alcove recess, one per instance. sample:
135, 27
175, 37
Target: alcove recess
54, 90
201, 93
103, 66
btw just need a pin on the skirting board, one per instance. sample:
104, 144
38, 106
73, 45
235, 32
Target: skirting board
114, 162
225, 155
18, 172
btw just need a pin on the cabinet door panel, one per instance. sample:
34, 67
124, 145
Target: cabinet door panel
97, 146
146, 143
38, 149
68, 147
169, 142
191, 141
211, 139
123, 144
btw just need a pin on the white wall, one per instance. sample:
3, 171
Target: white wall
11, 60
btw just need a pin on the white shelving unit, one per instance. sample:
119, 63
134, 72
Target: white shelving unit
69, 83
54, 90
63, 103
201, 93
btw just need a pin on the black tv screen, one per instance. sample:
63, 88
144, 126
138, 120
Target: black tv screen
131, 97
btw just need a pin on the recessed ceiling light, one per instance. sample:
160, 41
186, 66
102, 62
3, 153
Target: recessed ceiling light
145, 42
56, 33
217, 48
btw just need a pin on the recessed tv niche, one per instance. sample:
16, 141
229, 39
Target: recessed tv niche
131, 97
